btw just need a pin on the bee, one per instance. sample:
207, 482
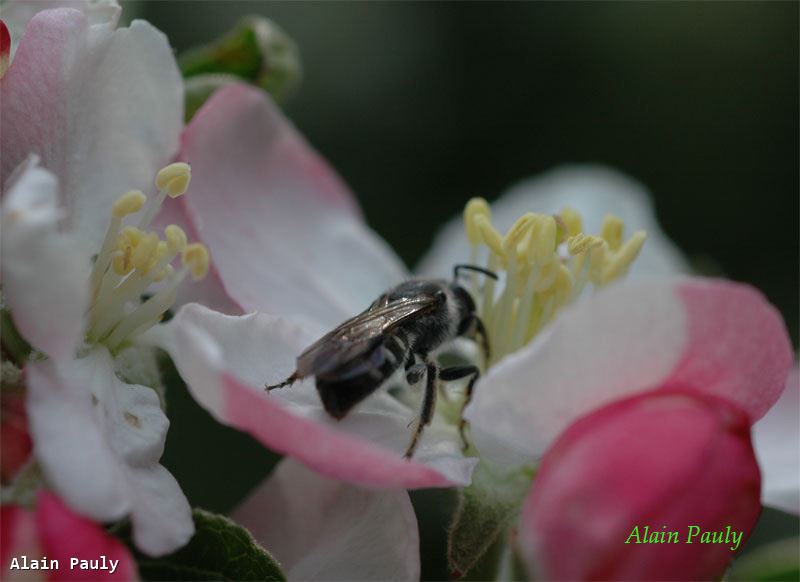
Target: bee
403, 328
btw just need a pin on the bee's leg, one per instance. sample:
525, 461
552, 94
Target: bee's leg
428, 406
288, 382
456, 373
415, 373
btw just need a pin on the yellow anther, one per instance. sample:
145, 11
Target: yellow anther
474, 208
598, 259
620, 262
547, 276
518, 232
121, 262
581, 243
195, 256
160, 252
491, 238
543, 239
612, 231
176, 238
563, 285
573, 221
128, 203
132, 235
143, 252
174, 179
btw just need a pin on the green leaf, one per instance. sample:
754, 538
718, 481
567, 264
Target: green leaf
256, 51
219, 550
775, 562
485, 510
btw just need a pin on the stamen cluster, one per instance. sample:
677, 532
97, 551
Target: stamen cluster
131, 259
545, 263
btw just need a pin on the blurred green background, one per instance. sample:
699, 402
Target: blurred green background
420, 106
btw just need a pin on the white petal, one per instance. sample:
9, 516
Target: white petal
320, 529
161, 515
44, 272
102, 107
530, 396
776, 439
592, 190
69, 440
226, 361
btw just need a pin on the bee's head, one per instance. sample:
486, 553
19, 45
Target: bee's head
466, 309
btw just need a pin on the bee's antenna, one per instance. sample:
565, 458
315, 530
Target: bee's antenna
486, 272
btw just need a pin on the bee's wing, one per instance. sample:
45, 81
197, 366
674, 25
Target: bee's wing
360, 334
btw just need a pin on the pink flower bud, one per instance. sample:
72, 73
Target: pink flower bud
667, 461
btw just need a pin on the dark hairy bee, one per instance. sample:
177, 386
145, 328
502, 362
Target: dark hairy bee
404, 327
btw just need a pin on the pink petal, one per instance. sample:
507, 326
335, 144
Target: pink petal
209, 291
65, 535
319, 529
665, 460
227, 360
282, 229
102, 108
45, 272
594, 191
776, 438
710, 336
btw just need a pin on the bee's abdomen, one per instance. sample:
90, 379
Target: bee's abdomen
347, 385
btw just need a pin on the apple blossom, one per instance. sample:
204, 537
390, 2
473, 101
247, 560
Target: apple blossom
320, 529
300, 244
98, 439
54, 532
623, 475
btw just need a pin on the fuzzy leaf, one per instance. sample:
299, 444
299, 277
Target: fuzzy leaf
219, 550
485, 510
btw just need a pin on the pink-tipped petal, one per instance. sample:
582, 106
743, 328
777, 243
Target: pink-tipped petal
282, 229
320, 529
44, 271
594, 191
710, 336
737, 345
103, 108
67, 536
17, 13
776, 438
666, 460
226, 361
